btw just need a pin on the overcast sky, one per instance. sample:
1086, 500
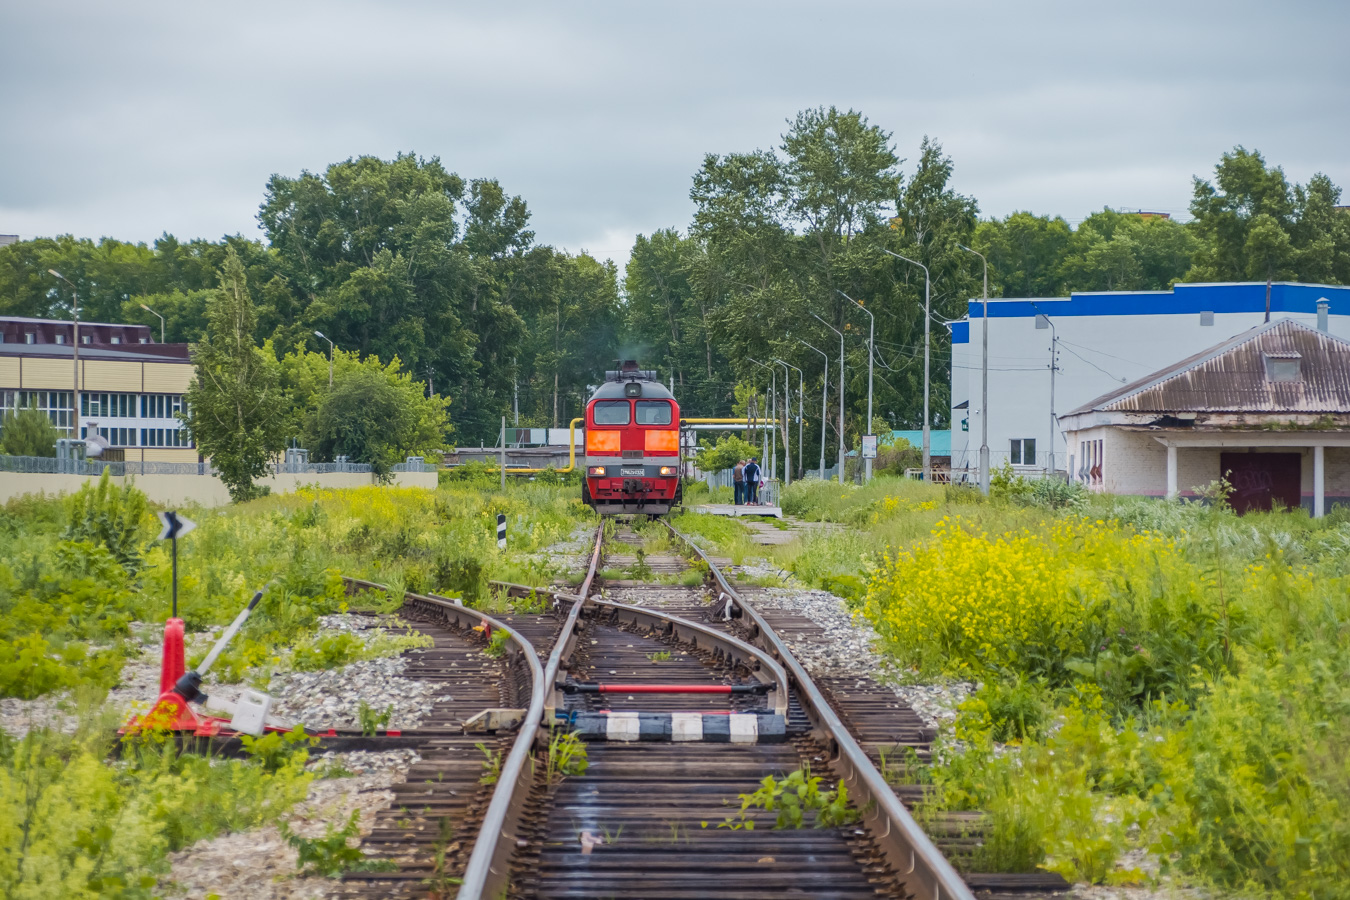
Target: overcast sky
130, 119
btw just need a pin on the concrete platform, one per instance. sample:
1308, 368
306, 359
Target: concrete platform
731, 509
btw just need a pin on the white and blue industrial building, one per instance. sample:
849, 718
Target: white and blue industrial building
1089, 344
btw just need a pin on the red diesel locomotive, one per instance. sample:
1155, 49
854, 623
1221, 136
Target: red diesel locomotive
632, 445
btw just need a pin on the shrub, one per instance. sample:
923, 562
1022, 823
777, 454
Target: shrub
27, 432
729, 450
116, 518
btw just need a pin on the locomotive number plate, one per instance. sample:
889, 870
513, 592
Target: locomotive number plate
631, 470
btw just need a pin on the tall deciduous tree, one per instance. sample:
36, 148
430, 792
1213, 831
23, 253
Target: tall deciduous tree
1254, 224
235, 409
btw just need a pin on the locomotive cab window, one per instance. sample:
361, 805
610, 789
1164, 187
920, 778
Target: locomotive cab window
653, 412
612, 412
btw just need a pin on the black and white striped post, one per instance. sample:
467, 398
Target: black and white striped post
501, 531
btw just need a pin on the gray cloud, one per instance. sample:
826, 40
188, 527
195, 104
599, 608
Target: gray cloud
131, 119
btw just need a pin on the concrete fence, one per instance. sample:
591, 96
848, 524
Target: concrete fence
204, 488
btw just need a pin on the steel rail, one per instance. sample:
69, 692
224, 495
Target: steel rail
489, 868
503, 812
763, 667
926, 872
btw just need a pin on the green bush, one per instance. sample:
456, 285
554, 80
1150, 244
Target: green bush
117, 518
27, 432
730, 449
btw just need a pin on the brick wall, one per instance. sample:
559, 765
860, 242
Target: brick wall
1135, 464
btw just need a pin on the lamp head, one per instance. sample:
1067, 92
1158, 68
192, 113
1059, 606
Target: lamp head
320, 334
56, 273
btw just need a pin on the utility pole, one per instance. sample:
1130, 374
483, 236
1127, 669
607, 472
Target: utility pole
515, 395
502, 457
927, 326
1054, 364
984, 377
824, 403
871, 350
75, 350
841, 393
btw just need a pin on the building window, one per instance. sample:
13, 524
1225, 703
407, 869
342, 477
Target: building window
1207, 317
1283, 366
161, 406
117, 406
165, 437
84, 339
29, 337
116, 339
56, 404
1022, 452
60, 338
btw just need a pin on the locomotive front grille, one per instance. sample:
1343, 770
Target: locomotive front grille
632, 454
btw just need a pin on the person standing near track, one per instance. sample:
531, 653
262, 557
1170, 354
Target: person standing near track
751, 473
738, 482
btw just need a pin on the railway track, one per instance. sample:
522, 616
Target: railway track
652, 816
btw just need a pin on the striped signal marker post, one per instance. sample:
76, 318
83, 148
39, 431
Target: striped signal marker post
501, 531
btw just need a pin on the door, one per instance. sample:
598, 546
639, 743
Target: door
1259, 479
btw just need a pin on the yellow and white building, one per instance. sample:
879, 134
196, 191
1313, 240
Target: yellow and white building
130, 389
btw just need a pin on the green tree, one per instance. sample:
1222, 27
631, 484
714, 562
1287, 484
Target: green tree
1025, 253
1253, 224
27, 432
729, 450
235, 408
304, 382
365, 418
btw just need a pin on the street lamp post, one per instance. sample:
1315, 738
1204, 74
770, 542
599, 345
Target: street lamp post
773, 427
984, 376
75, 350
801, 412
927, 325
841, 393
824, 404
157, 316
871, 350
787, 421
320, 334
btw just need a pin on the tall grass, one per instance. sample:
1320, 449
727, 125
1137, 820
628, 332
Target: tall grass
1178, 674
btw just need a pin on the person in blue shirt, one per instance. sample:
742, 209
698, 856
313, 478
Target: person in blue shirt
752, 479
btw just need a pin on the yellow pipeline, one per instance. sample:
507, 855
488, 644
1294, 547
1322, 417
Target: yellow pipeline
745, 422
571, 456
572, 440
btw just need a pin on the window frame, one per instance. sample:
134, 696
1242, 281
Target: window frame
652, 404
612, 405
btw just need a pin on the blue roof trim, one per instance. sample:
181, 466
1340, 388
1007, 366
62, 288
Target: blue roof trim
1184, 299
960, 332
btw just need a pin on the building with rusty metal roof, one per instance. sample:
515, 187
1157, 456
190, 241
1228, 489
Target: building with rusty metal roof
1268, 410
1051, 354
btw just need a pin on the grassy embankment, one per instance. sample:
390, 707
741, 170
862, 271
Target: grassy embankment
1170, 678
75, 573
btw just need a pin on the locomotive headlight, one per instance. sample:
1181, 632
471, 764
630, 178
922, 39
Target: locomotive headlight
667, 470
596, 470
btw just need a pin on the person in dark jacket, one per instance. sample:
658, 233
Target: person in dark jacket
752, 478
738, 482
